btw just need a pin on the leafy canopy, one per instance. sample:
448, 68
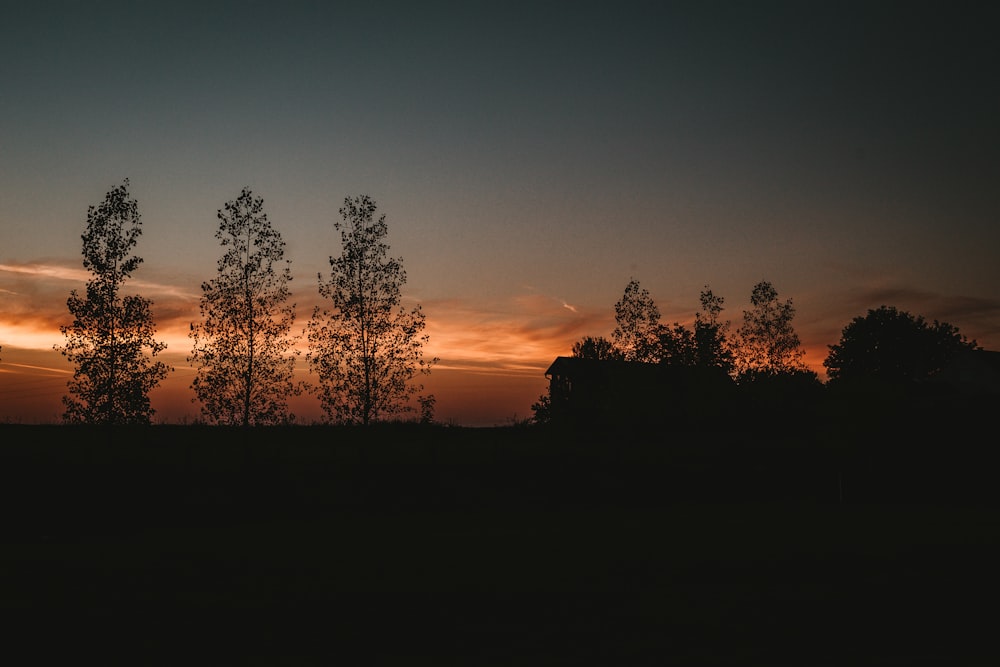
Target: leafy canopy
243, 347
111, 339
893, 346
366, 347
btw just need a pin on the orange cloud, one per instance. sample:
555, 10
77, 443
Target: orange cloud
34, 303
517, 335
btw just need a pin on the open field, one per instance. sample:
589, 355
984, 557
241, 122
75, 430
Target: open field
509, 546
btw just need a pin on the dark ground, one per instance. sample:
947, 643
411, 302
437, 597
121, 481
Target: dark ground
513, 546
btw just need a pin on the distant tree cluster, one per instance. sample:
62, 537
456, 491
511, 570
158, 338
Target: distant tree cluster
764, 355
765, 344
366, 349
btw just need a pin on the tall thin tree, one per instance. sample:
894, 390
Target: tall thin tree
367, 349
243, 349
711, 333
111, 332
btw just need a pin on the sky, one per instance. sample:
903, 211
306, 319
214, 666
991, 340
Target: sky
530, 159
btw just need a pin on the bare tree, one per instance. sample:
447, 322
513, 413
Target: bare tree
638, 330
111, 332
367, 349
767, 342
242, 347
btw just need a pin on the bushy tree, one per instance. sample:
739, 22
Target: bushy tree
366, 349
637, 333
767, 342
893, 346
243, 346
111, 340
595, 347
542, 410
677, 346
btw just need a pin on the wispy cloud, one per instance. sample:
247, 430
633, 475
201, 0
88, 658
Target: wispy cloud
521, 334
975, 316
54, 271
34, 368
34, 306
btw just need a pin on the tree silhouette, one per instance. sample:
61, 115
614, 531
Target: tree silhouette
245, 371
542, 410
893, 346
367, 349
705, 346
677, 346
767, 342
599, 348
111, 332
638, 325
711, 334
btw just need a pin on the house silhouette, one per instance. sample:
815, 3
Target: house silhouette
610, 392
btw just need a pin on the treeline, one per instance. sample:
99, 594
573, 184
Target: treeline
364, 347
367, 351
885, 360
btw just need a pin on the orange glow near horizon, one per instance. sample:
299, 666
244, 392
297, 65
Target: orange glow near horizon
492, 355
494, 372
490, 368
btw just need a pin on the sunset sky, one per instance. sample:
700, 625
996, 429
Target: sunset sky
530, 159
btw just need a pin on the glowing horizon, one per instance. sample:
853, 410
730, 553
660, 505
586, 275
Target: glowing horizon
499, 349
529, 162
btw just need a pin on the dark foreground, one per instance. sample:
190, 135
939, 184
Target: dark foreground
445, 546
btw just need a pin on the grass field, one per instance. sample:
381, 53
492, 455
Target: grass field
509, 546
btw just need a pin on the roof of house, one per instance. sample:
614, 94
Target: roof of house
602, 369
578, 367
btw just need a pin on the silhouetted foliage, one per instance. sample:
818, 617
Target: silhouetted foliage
792, 395
639, 335
599, 347
111, 332
542, 410
677, 346
892, 346
638, 325
766, 342
427, 404
366, 349
711, 333
245, 370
